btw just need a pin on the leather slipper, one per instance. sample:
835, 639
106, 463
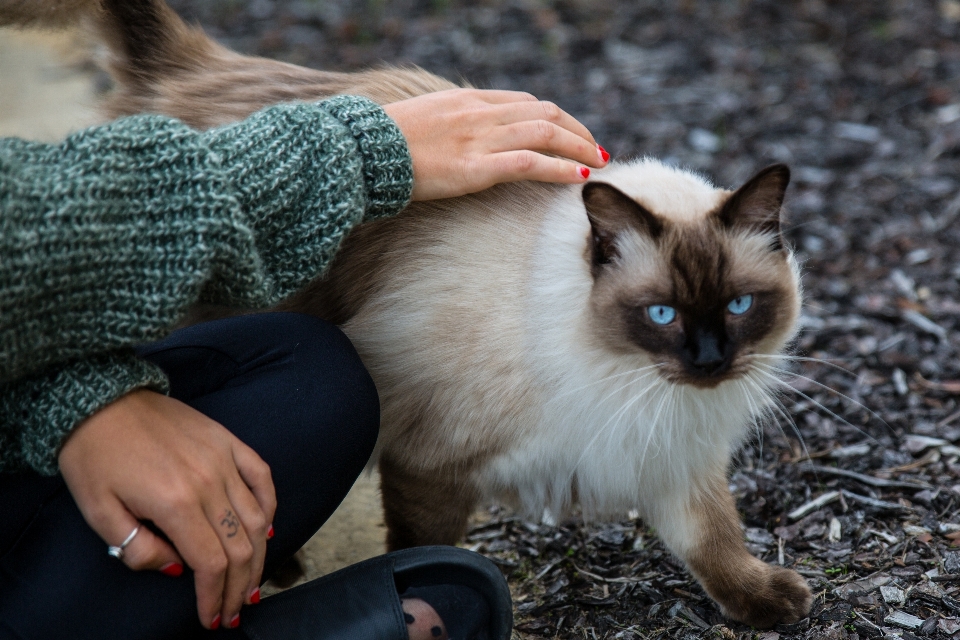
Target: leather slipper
361, 602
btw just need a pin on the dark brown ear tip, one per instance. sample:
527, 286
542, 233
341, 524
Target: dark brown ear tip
591, 187
779, 168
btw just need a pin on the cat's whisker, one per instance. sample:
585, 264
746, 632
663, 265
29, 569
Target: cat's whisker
804, 359
781, 408
665, 390
615, 417
778, 406
702, 413
655, 422
820, 405
602, 380
793, 227
759, 413
618, 416
671, 415
826, 388
810, 305
754, 411
629, 383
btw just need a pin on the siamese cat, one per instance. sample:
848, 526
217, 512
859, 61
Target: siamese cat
601, 345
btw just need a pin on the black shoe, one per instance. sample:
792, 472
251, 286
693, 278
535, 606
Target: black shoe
361, 602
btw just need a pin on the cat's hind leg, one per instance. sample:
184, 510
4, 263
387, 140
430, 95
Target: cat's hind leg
703, 528
424, 508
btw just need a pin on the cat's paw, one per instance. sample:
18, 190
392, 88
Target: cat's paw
775, 596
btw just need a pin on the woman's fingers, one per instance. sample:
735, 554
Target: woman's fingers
256, 474
546, 137
512, 166
239, 552
454, 137
198, 542
543, 111
495, 96
145, 551
149, 551
149, 457
255, 524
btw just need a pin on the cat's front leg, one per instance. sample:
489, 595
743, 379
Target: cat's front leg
424, 508
703, 528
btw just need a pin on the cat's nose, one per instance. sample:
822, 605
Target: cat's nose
707, 356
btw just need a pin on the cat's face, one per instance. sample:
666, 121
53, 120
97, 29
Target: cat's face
698, 282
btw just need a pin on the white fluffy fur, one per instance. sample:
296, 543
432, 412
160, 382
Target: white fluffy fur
580, 422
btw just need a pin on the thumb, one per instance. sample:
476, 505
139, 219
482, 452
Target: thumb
146, 550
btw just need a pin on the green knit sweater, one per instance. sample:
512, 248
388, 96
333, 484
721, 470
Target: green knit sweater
107, 238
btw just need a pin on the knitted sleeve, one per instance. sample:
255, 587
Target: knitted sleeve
107, 239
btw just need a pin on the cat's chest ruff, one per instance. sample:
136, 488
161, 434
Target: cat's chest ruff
610, 429
612, 446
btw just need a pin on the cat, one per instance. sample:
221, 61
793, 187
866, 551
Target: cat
544, 345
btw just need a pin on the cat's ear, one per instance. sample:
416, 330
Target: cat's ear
757, 204
611, 212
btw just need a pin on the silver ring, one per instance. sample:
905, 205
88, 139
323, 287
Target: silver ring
117, 552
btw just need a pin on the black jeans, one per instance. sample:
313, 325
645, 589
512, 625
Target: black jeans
291, 386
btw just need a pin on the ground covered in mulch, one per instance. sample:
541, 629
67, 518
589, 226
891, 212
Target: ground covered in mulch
858, 485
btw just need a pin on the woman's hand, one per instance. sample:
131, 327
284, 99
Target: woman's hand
150, 457
465, 140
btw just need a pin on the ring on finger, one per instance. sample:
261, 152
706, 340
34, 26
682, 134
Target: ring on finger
117, 552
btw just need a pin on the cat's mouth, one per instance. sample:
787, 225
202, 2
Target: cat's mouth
704, 378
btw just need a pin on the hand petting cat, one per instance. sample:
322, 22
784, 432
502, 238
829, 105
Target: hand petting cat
465, 140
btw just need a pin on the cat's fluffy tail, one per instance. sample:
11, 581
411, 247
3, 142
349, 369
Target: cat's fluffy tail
148, 41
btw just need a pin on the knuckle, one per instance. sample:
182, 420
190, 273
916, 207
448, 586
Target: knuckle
97, 515
529, 97
262, 474
270, 508
204, 477
545, 131
213, 563
524, 161
241, 553
551, 111
177, 498
137, 559
256, 523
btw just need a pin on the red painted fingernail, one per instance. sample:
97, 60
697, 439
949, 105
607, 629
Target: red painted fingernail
172, 569
255, 596
216, 622
270, 532
234, 622
603, 153
584, 172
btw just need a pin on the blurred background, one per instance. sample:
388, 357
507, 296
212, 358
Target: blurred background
861, 98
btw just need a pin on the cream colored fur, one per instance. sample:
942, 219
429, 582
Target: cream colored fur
493, 321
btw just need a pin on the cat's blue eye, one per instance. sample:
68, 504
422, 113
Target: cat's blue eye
740, 304
661, 314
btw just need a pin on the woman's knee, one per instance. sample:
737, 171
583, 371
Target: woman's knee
328, 375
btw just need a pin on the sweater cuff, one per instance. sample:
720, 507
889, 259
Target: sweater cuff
50, 405
387, 165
